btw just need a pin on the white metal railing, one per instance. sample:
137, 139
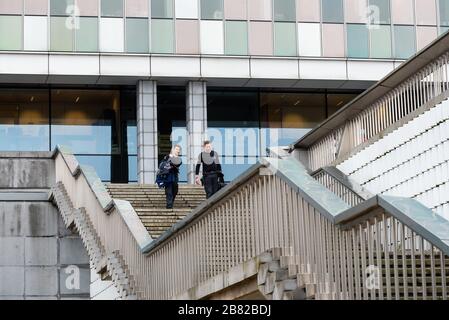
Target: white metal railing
333, 184
266, 213
428, 85
266, 209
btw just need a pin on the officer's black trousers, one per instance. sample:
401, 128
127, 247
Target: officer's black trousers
210, 184
171, 191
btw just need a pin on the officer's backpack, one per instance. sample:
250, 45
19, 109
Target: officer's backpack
162, 173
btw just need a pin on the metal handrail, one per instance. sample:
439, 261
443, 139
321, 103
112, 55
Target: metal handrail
274, 204
336, 181
421, 83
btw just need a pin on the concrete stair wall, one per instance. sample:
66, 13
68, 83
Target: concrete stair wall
39, 257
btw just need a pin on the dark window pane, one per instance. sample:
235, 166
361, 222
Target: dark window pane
171, 123
338, 100
290, 115
86, 120
233, 122
24, 120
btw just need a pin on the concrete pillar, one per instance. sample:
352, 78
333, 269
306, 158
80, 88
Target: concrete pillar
196, 108
147, 137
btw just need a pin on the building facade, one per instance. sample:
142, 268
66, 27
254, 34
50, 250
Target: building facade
120, 81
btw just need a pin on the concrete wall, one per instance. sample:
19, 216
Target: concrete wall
39, 257
33, 170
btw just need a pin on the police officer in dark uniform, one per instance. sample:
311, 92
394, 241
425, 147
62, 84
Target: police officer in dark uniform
211, 169
171, 183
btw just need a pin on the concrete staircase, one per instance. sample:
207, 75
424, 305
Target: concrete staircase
149, 203
279, 278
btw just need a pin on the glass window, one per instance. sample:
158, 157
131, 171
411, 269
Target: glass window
187, 37
357, 41
162, 8
128, 116
260, 9
61, 7
61, 37
101, 164
24, 120
381, 42
10, 32
86, 120
284, 10
356, 11
381, 10
332, 10
11, 7
87, 7
236, 38
162, 36
426, 12
35, 33
260, 38
233, 167
87, 34
284, 39
425, 35
137, 35
131, 137
233, 128
98, 125
404, 41
289, 116
308, 10
36, 7
137, 8
333, 40
171, 123
309, 39
112, 8
211, 34
111, 35
235, 9
186, 9
444, 12
336, 101
403, 11
132, 169
212, 9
